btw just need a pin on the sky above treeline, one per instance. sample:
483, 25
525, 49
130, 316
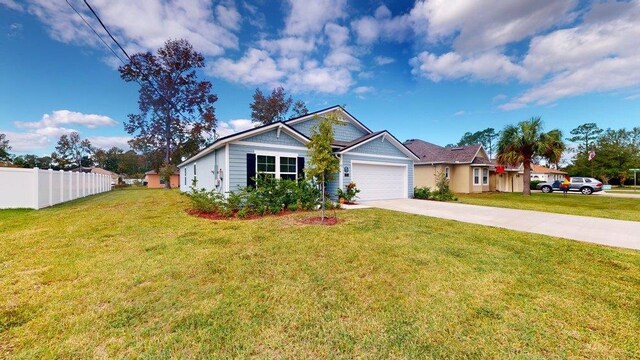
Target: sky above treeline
429, 69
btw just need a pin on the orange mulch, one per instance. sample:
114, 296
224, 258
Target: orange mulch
216, 216
317, 220
313, 220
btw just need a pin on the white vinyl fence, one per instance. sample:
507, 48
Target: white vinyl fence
36, 189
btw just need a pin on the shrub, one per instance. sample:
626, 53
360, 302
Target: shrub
423, 193
206, 201
442, 191
533, 184
270, 196
350, 193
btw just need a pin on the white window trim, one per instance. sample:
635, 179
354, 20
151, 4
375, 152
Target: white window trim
447, 172
277, 156
474, 176
483, 177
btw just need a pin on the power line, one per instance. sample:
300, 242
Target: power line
144, 76
95, 32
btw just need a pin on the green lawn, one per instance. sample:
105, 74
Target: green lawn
128, 274
573, 204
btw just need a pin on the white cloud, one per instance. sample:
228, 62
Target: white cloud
144, 25
363, 90
486, 66
383, 60
321, 79
288, 46
66, 117
255, 68
34, 141
459, 113
11, 4
225, 128
479, 25
599, 55
44, 133
604, 75
383, 26
107, 142
309, 17
338, 35
228, 16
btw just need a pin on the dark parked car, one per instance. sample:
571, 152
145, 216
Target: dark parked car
585, 185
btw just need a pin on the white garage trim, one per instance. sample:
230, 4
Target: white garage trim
405, 181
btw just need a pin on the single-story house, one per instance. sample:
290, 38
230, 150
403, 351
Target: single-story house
541, 173
153, 180
505, 178
380, 165
115, 178
466, 167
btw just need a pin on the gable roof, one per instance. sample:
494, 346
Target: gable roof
340, 146
429, 153
384, 133
348, 117
247, 133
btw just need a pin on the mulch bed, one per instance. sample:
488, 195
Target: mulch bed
317, 220
314, 220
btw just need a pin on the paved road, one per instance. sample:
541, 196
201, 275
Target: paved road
625, 234
630, 195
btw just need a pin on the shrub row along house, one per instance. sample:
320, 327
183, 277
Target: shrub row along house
377, 162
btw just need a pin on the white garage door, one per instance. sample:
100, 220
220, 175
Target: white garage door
379, 182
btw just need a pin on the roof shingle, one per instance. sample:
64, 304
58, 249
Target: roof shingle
431, 153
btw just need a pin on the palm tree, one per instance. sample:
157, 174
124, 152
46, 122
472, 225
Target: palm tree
519, 144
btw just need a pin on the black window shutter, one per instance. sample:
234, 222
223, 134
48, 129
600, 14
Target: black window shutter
251, 170
300, 167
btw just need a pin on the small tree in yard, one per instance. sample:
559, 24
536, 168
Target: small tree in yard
323, 165
521, 143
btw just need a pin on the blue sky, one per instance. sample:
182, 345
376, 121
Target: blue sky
425, 69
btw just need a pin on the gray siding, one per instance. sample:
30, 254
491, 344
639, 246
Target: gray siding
206, 168
379, 147
348, 132
272, 138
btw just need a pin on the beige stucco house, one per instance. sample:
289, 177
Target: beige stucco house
467, 167
507, 178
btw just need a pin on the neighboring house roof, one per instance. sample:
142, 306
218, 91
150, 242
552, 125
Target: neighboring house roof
95, 170
340, 146
153, 172
518, 168
545, 170
429, 153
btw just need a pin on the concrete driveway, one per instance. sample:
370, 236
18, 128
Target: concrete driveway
625, 234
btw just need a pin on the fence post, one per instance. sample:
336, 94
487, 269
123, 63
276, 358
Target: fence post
70, 186
50, 187
36, 188
61, 186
